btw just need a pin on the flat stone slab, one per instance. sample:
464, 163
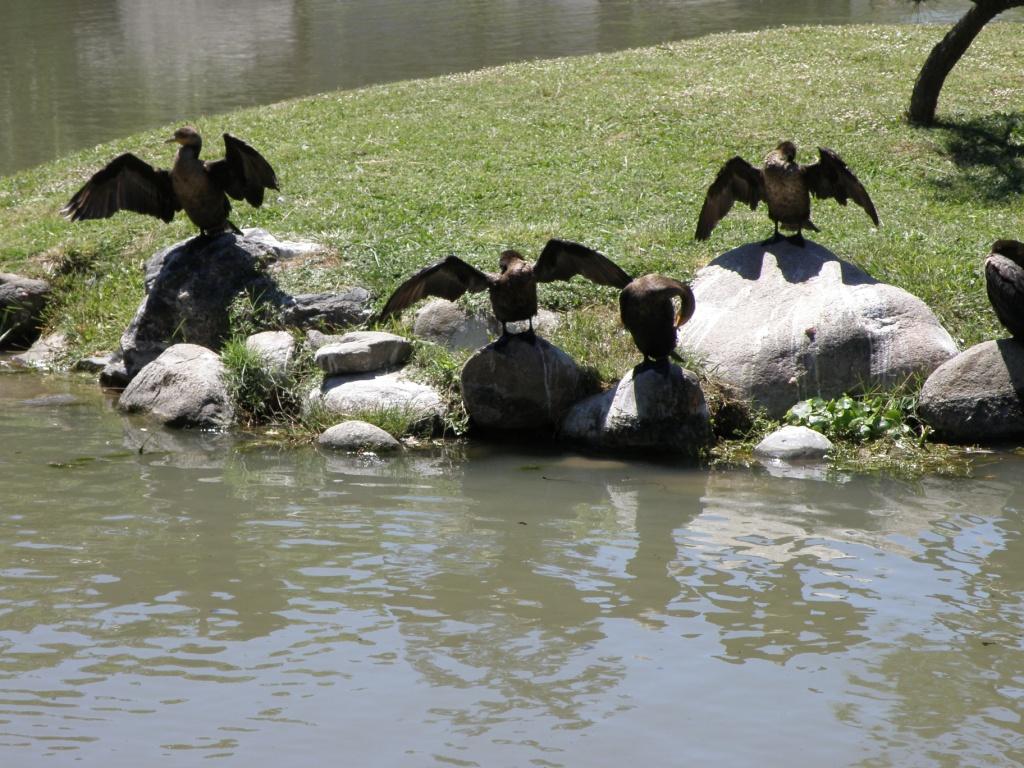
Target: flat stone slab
780, 323
327, 310
358, 436
363, 352
978, 396
653, 408
355, 394
519, 384
793, 443
183, 387
92, 363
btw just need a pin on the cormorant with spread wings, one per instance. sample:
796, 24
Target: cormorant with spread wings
513, 291
786, 186
199, 187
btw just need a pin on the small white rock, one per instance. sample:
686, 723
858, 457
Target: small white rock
794, 443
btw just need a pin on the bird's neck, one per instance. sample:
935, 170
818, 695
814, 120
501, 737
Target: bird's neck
188, 152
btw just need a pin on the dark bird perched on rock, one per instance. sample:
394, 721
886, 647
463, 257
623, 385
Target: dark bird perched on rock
786, 186
513, 290
199, 187
649, 314
1004, 283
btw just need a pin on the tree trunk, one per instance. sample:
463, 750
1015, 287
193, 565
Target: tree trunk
945, 55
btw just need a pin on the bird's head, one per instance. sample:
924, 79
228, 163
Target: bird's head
508, 258
787, 149
187, 136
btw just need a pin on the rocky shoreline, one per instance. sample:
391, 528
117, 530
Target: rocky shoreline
774, 324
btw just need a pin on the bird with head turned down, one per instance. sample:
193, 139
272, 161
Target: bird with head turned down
1004, 284
786, 186
648, 311
199, 187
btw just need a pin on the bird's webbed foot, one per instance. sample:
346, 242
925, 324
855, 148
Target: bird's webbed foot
774, 238
797, 240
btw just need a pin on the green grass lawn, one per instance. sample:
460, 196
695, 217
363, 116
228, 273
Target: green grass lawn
614, 150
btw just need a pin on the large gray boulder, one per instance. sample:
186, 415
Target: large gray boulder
22, 300
653, 408
779, 324
359, 394
183, 387
517, 384
978, 396
363, 352
189, 289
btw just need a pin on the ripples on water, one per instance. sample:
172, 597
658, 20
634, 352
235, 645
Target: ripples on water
205, 599
74, 73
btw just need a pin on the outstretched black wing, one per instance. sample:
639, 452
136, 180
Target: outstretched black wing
447, 279
738, 180
830, 177
243, 173
564, 259
126, 183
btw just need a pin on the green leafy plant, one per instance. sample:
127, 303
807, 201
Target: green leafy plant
871, 417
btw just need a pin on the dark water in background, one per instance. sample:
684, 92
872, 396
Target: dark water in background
204, 598
74, 73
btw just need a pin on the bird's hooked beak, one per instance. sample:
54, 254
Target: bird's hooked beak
171, 140
687, 305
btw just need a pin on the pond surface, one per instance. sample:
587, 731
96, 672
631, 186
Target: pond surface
74, 73
166, 597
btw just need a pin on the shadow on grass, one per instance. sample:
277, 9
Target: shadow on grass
989, 151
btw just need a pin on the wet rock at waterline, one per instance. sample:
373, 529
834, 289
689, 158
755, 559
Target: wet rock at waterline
519, 383
275, 348
326, 310
22, 300
46, 353
363, 352
779, 323
978, 396
793, 443
182, 387
358, 394
653, 408
446, 323
92, 363
189, 290
358, 436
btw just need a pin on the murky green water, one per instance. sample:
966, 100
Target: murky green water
74, 73
167, 597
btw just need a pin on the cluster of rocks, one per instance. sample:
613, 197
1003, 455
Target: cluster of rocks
776, 324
